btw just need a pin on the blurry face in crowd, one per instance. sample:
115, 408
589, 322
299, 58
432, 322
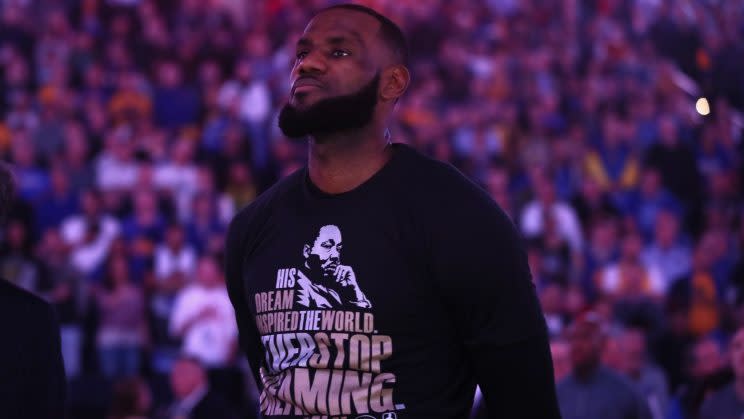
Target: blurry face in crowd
208, 272
707, 358
631, 248
186, 377
667, 228
586, 342
633, 349
612, 355
337, 76
650, 182
561, 353
736, 351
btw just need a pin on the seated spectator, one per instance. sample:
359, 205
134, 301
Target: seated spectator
65, 293
143, 229
204, 227
57, 203
668, 251
705, 373
728, 402
122, 332
31, 178
648, 200
591, 390
116, 168
648, 379
194, 397
630, 278
564, 216
175, 262
612, 163
203, 317
700, 291
602, 251
89, 234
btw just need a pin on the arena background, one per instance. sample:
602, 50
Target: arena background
609, 130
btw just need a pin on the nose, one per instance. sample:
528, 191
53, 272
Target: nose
311, 63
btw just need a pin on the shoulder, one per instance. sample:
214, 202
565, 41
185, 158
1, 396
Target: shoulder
268, 200
440, 186
24, 303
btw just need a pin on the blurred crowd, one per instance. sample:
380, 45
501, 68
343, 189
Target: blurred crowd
137, 128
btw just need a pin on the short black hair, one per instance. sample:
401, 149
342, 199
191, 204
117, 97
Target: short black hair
390, 33
7, 190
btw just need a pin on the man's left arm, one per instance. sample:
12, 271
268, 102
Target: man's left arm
46, 371
481, 266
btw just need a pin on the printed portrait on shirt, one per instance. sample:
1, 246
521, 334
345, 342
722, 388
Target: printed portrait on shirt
324, 281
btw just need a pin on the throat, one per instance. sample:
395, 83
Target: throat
335, 169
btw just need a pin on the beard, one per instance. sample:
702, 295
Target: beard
331, 115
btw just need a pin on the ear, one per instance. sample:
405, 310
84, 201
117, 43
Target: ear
395, 81
306, 251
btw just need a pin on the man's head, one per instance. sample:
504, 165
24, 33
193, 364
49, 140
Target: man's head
7, 190
706, 358
633, 348
187, 376
323, 254
586, 338
349, 71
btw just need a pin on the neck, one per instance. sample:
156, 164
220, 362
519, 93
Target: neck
340, 162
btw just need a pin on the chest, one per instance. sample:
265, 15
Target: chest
344, 272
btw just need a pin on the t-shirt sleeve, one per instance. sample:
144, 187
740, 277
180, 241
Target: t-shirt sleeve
480, 265
236, 247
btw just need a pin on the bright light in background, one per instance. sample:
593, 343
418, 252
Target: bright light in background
702, 107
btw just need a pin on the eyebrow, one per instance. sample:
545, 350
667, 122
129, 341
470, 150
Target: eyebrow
335, 39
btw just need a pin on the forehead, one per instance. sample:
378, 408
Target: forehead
343, 22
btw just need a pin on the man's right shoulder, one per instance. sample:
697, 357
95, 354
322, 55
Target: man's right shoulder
23, 303
268, 200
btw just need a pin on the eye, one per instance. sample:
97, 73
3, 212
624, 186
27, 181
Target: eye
301, 54
340, 53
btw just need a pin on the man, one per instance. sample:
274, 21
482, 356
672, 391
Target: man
32, 377
591, 390
448, 303
194, 398
323, 281
729, 401
648, 379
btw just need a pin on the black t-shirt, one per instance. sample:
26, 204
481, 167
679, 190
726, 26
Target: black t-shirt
389, 301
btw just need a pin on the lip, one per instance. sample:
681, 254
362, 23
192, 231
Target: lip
304, 84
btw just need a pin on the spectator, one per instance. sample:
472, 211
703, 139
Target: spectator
668, 251
175, 262
700, 291
545, 202
648, 379
203, 317
123, 329
729, 401
65, 292
89, 234
591, 390
630, 278
194, 398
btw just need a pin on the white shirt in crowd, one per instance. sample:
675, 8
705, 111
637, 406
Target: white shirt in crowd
210, 339
566, 221
87, 256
